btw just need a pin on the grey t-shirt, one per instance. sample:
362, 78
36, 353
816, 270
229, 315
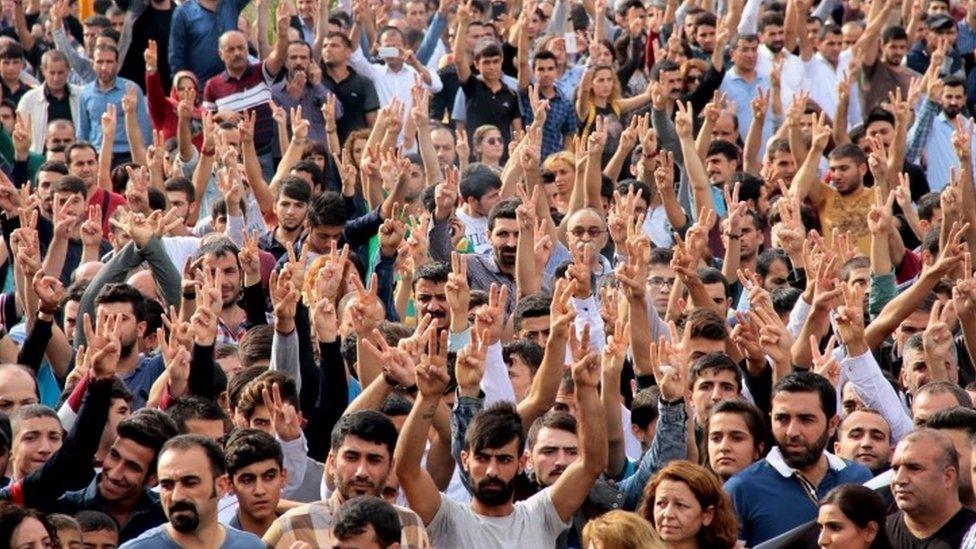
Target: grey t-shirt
533, 523
159, 538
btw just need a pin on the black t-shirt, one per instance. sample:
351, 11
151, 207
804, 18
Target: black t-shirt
357, 94
484, 106
948, 537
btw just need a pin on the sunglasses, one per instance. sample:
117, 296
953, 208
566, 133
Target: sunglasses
493, 140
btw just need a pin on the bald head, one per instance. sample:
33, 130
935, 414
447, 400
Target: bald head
86, 271
233, 51
18, 388
144, 282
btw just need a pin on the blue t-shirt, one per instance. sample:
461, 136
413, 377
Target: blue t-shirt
159, 538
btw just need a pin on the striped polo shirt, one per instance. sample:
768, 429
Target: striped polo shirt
252, 91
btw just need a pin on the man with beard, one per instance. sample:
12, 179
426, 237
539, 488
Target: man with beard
192, 477
430, 294
359, 463
492, 458
844, 204
560, 125
926, 489
772, 35
865, 437
355, 92
234, 321
109, 89
781, 492
480, 190
932, 131
47, 174
825, 69
302, 86
959, 424
82, 160
291, 210
889, 74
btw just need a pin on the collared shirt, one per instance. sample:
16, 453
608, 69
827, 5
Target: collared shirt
932, 133
312, 523
741, 92
93, 103
14, 96
194, 35
58, 109
140, 380
570, 80
252, 90
270, 244
146, 514
486, 106
560, 121
966, 39
793, 76
311, 101
822, 79
770, 499
357, 94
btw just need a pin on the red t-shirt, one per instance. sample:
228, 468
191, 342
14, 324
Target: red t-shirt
108, 204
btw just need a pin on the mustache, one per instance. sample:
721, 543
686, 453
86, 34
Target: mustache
182, 506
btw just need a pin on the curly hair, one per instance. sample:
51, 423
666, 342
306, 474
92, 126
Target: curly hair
724, 528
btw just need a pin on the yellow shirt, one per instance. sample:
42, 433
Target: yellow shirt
846, 213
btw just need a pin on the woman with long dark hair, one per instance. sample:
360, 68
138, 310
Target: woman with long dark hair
852, 517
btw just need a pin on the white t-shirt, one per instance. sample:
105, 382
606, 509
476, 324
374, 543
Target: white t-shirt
533, 523
476, 231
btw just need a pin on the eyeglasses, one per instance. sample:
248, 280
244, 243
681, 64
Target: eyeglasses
580, 232
493, 140
659, 281
692, 78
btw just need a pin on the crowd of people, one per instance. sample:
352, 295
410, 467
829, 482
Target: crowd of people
487, 274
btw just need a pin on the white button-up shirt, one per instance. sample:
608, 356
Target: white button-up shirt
821, 81
792, 78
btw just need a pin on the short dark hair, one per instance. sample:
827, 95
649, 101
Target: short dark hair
768, 257
253, 394
706, 18
55, 166
661, 256
957, 418
715, 362
829, 28
503, 210
543, 55
108, 48
249, 446
95, 521
434, 271
711, 275
893, 32
641, 189
643, 409
328, 210
771, 19
530, 352
531, 306
70, 184
342, 37
120, 292
307, 165
487, 48
181, 185
560, 421
369, 425
362, 511
953, 81
295, 188
12, 51
879, 114
149, 428
927, 204
256, 344
725, 148
240, 380
750, 414
807, 382
215, 456
784, 299
494, 427
707, 324
191, 407
78, 145
477, 180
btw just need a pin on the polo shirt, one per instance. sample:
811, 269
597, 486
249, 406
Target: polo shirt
357, 94
140, 380
770, 499
485, 106
251, 91
58, 109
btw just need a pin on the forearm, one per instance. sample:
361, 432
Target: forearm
611, 400
105, 160
372, 397
880, 258
545, 383
57, 251
284, 356
900, 307
255, 177
413, 436
753, 145
137, 143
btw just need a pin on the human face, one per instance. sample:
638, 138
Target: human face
893, 53
883, 130
659, 283
89, 36
920, 480
536, 329
800, 428
731, 447
830, 47
705, 36
125, 471
719, 169
586, 228
751, 240
778, 277
37, 439
297, 59
178, 202
444, 146
836, 530
101, 539
30, 534
258, 488
846, 174
504, 239
431, 298
710, 388
391, 39
231, 289
773, 37
416, 15
45, 180
490, 68
129, 329
291, 213
784, 165
603, 83
482, 207
701, 346
520, 375
724, 128
545, 73
358, 467
55, 75
70, 538
604, 55
106, 65
929, 403
233, 51
491, 147
306, 9
474, 34
678, 516
914, 371
324, 238
865, 437
953, 100
335, 53
960, 439
850, 33
913, 324
693, 80
187, 489
744, 56
210, 428
72, 206
17, 389
83, 164
716, 291
553, 452
492, 472
564, 177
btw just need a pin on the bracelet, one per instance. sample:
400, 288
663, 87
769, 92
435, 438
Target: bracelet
48, 312
189, 296
208, 152
389, 380
733, 236
675, 402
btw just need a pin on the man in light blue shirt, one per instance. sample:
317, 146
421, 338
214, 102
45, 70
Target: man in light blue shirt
742, 83
108, 88
932, 131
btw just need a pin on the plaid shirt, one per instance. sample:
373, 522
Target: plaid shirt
560, 121
312, 523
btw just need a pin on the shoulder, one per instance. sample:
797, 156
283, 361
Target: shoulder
747, 477
855, 472
153, 537
238, 539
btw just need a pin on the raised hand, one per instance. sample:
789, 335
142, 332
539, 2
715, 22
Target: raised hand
432, 375
330, 274
683, 122
91, 229
490, 318
250, 259
284, 295
151, 56
470, 365
324, 321
669, 376
103, 345
457, 289
365, 309
285, 420
49, 291
824, 364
